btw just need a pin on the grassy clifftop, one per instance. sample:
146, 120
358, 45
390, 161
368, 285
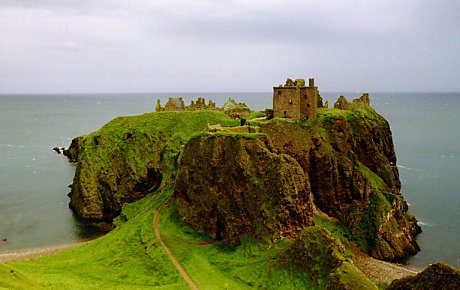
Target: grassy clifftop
129, 157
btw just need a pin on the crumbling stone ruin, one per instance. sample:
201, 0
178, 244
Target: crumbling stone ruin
177, 104
200, 104
360, 103
238, 129
296, 101
231, 107
235, 110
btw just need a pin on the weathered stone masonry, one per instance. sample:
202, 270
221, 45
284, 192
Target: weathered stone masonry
295, 101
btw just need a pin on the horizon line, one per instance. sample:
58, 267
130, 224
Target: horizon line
220, 92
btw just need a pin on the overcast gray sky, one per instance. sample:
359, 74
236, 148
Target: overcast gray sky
228, 45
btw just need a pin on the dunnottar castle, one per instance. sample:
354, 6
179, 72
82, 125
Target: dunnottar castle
294, 100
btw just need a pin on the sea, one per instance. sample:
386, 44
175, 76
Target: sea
34, 179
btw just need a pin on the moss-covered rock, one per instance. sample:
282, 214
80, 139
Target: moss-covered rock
349, 160
74, 149
321, 259
130, 157
231, 186
438, 276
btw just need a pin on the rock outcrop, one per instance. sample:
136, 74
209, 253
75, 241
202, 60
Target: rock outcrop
128, 158
74, 149
350, 165
347, 162
230, 187
101, 187
317, 253
437, 276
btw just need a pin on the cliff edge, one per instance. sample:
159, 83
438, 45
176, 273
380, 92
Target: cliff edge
230, 187
268, 185
128, 158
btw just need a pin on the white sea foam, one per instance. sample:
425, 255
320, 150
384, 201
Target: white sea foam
11, 145
404, 167
423, 224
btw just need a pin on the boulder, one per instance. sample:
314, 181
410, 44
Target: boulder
437, 276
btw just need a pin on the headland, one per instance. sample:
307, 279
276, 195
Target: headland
298, 195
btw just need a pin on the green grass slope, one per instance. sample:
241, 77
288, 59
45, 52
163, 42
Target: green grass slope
127, 258
130, 258
257, 264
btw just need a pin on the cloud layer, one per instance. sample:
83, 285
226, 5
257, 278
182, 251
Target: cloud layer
151, 46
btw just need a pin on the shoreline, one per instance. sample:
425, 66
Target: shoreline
380, 271
376, 270
27, 254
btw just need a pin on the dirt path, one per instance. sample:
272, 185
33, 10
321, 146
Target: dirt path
178, 266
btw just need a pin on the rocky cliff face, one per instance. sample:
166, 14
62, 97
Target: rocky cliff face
128, 158
231, 186
350, 164
101, 187
345, 159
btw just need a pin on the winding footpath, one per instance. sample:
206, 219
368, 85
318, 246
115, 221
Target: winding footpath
156, 229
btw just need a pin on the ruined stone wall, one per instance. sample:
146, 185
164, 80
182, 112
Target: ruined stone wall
286, 102
360, 103
308, 103
295, 101
177, 104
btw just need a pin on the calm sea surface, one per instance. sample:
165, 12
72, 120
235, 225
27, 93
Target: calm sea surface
34, 179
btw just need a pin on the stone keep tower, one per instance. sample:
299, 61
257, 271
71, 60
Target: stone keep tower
295, 101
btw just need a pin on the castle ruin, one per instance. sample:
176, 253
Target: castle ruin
362, 102
177, 104
295, 101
